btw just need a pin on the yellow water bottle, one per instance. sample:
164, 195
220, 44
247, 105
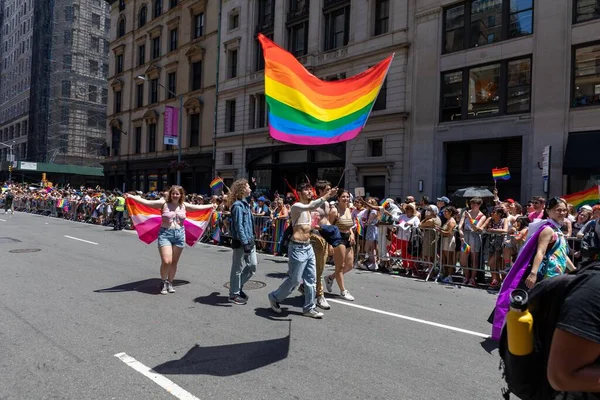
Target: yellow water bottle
519, 324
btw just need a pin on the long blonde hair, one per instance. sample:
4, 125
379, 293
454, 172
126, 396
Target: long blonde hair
181, 191
237, 191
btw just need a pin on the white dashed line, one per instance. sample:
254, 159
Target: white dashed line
81, 240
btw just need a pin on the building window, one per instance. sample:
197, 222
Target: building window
173, 3
232, 63
337, 28
156, 47
266, 14
171, 85
260, 59
381, 100
173, 40
119, 64
139, 95
230, 116
157, 8
298, 39
143, 18
490, 21
586, 75
138, 140
121, 5
198, 25
375, 147
92, 94
141, 54
234, 20
68, 37
104, 95
121, 28
67, 61
66, 89
151, 138
382, 17
153, 91
95, 43
197, 75
491, 90
94, 67
194, 130
258, 111
228, 158
118, 99
586, 10
96, 21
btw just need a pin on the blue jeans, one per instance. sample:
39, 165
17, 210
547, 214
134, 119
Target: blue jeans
171, 237
302, 267
243, 267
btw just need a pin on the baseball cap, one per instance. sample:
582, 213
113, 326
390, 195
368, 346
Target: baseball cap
511, 201
444, 199
585, 208
261, 198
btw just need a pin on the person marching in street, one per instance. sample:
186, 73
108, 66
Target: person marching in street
8, 202
244, 262
171, 238
301, 257
119, 210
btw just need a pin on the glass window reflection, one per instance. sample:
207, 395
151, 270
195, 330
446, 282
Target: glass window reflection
486, 22
484, 99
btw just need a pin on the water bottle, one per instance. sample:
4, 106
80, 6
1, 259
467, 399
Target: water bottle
519, 324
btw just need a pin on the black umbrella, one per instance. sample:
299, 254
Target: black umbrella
472, 191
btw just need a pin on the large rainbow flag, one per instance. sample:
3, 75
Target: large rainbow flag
588, 197
306, 110
146, 221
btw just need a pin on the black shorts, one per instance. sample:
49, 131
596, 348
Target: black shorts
345, 238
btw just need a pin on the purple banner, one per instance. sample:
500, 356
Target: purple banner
171, 120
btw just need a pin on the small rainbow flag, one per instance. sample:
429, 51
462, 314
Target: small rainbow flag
501, 173
214, 219
359, 227
465, 248
385, 203
306, 110
216, 183
588, 197
216, 236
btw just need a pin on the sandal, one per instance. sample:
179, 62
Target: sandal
472, 282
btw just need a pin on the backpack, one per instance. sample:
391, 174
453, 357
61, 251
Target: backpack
415, 243
590, 243
526, 376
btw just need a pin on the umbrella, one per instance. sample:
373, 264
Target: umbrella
473, 192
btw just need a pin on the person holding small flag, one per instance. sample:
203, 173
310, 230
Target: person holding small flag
469, 229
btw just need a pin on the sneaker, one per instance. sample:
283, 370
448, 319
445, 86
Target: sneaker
243, 295
329, 284
301, 288
237, 299
346, 296
313, 313
274, 305
322, 303
165, 288
170, 288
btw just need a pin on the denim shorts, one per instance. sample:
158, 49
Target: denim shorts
171, 237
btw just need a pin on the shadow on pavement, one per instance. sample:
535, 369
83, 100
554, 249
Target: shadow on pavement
489, 345
230, 359
214, 299
147, 286
277, 275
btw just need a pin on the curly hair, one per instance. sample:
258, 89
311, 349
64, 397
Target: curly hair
237, 191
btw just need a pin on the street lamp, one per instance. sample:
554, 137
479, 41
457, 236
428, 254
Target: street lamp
10, 149
179, 126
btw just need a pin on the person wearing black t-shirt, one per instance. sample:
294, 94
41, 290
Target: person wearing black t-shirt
574, 362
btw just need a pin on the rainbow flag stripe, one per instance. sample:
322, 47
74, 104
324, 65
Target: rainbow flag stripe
588, 197
385, 203
215, 183
359, 227
465, 248
146, 221
501, 173
306, 110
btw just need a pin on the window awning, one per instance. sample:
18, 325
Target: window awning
583, 154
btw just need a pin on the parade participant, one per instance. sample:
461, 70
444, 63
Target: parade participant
301, 257
8, 202
243, 262
171, 238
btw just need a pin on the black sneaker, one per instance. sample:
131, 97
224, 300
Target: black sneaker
237, 299
243, 295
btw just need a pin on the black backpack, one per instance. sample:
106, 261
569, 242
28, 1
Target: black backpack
590, 244
526, 376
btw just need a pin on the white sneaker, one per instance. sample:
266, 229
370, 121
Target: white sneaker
165, 288
346, 295
329, 284
313, 313
170, 288
322, 303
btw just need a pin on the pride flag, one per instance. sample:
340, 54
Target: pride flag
588, 197
306, 110
501, 173
465, 248
216, 183
146, 221
385, 203
359, 227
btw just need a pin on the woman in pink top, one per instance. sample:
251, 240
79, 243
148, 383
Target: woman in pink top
171, 239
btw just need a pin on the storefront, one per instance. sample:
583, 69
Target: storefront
581, 164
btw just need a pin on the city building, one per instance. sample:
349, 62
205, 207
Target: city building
163, 53
497, 83
334, 39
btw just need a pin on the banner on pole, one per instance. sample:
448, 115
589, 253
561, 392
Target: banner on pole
171, 120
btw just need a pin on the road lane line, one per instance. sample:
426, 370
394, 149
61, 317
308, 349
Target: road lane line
3, 220
81, 240
421, 321
157, 378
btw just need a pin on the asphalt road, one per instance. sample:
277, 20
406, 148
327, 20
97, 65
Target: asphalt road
69, 308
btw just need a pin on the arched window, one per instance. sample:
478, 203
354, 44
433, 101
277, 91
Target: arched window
157, 8
143, 16
121, 28
121, 5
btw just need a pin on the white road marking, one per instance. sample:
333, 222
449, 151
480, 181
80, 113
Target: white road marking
421, 321
81, 240
157, 378
3, 220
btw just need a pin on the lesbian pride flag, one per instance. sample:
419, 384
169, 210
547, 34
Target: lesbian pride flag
306, 110
146, 221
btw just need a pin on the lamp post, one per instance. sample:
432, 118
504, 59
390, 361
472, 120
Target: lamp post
10, 149
179, 126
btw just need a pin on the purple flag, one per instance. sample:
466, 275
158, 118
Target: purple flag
171, 120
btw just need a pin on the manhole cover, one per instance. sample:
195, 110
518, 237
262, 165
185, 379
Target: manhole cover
8, 240
250, 285
24, 250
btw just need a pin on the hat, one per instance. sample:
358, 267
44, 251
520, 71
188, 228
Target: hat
444, 199
511, 201
585, 208
261, 198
